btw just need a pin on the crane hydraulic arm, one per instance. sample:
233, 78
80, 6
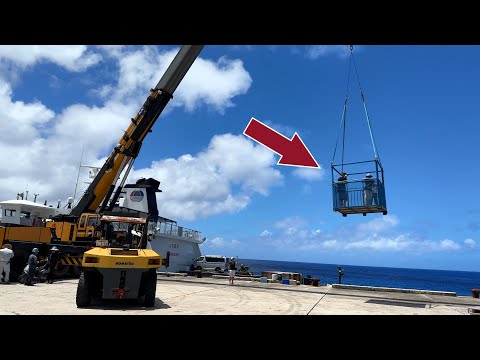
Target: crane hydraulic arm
128, 147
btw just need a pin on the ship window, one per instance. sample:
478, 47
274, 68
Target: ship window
9, 212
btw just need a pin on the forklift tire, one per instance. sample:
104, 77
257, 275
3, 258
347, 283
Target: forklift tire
84, 296
150, 289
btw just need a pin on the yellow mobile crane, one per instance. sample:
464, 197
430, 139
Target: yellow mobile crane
77, 232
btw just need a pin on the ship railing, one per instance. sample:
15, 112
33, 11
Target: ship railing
174, 229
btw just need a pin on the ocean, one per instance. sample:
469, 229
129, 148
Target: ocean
460, 282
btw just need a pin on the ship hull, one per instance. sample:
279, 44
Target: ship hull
183, 251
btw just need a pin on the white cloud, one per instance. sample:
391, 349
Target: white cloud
44, 147
115, 51
109, 121
290, 222
216, 242
285, 130
400, 242
103, 92
470, 243
377, 225
219, 244
315, 51
54, 82
379, 234
329, 244
309, 174
229, 154
214, 83
20, 122
448, 244
71, 57
265, 233
204, 185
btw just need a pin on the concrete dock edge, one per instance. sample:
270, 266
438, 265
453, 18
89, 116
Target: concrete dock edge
411, 291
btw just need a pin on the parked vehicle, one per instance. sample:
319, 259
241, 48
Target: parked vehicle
217, 263
243, 270
40, 274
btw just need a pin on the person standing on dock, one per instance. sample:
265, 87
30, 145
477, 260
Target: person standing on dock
6, 255
32, 266
340, 274
231, 269
53, 260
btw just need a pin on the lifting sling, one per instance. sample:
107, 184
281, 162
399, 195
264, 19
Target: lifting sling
366, 193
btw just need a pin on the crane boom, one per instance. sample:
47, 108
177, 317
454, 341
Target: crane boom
130, 143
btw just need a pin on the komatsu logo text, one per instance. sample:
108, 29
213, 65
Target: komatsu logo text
124, 263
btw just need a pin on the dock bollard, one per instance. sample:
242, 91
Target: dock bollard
476, 293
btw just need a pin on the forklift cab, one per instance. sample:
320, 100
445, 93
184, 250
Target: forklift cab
121, 231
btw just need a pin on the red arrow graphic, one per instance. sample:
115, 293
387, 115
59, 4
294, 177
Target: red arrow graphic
294, 152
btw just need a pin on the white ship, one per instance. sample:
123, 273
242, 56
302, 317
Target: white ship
182, 243
27, 213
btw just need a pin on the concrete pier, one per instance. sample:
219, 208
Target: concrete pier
204, 296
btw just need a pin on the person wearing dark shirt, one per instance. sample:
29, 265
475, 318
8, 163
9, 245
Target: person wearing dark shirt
342, 190
32, 266
52, 263
231, 269
340, 274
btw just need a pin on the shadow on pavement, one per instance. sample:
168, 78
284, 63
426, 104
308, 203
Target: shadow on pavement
130, 304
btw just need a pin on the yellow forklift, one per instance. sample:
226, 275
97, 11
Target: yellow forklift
120, 266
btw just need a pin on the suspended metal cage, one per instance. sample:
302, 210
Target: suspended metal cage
360, 193
357, 187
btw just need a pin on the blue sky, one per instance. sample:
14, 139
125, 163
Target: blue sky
56, 100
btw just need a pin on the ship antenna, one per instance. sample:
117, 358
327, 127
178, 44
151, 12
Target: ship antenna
79, 166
